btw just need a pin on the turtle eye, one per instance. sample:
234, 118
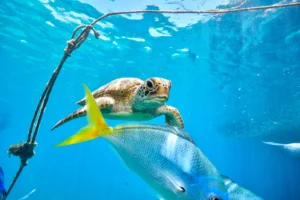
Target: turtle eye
149, 84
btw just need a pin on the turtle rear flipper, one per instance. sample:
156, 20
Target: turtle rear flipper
81, 102
172, 116
102, 102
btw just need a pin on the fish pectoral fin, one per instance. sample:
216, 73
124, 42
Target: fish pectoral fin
96, 127
175, 183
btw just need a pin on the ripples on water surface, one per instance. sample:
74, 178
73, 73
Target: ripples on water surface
236, 81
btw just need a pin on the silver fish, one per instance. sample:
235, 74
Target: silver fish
165, 157
292, 148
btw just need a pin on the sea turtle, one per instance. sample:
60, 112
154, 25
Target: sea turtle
132, 99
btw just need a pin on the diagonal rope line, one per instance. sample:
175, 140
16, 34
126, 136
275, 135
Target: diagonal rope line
26, 150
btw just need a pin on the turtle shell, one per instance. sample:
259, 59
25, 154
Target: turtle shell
120, 89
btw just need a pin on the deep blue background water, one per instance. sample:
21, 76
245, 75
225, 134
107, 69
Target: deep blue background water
235, 80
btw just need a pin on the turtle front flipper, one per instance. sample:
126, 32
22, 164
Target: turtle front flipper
172, 116
102, 102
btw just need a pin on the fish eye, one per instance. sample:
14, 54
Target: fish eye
215, 198
149, 84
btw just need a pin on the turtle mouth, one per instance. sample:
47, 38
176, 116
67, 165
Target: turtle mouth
160, 98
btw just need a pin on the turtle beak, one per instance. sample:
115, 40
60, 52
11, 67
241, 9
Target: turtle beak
161, 93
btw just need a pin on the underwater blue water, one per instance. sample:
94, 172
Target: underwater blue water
235, 80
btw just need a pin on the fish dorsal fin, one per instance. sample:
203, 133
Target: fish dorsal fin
173, 129
181, 133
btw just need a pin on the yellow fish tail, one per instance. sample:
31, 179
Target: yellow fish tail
96, 127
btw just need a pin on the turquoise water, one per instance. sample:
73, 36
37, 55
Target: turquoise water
235, 80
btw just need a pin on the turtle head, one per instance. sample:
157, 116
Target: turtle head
153, 93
